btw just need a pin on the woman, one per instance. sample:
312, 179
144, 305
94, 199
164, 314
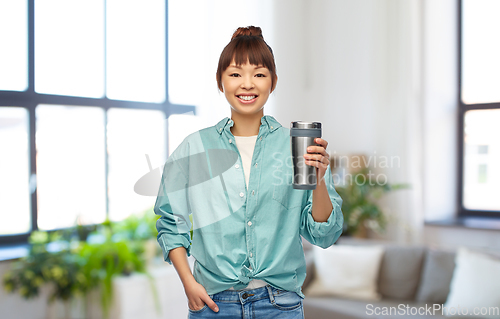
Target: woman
235, 178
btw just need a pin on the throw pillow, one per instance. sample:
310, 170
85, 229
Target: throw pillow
475, 285
436, 276
400, 271
346, 271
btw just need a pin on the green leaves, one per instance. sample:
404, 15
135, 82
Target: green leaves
360, 206
107, 260
61, 269
74, 267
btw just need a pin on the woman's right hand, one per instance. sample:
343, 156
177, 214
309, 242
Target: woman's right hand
198, 297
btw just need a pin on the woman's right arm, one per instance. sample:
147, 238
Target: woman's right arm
174, 228
196, 293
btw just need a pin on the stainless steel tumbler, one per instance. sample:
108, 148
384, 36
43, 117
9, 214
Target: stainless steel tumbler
302, 135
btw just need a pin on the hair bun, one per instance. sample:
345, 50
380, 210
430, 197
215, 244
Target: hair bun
249, 31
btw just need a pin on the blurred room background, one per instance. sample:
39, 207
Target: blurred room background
95, 94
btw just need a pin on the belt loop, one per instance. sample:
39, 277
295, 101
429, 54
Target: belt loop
270, 292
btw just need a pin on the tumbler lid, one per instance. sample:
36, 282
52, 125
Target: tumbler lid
305, 129
303, 124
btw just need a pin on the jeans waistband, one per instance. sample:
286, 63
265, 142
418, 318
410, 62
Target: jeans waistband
244, 296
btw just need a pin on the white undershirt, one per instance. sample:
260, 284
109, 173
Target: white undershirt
246, 145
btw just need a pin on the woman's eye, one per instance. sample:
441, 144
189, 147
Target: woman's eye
234, 75
260, 75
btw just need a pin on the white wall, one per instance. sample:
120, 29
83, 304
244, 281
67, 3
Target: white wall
327, 59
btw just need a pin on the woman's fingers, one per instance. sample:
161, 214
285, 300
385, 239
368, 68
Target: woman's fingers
316, 164
316, 159
211, 304
208, 301
195, 307
198, 297
319, 149
322, 142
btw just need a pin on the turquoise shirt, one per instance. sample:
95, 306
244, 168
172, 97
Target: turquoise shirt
241, 233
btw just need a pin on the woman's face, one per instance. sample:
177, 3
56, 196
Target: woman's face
247, 87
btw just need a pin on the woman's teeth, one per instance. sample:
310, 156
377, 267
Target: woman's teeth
247, 97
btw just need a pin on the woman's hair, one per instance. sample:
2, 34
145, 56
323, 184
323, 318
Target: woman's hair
247, 44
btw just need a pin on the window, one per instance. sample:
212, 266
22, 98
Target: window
15, 211
84, 112
479, 89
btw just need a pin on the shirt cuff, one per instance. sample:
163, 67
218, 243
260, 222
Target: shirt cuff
168, 242
332, 224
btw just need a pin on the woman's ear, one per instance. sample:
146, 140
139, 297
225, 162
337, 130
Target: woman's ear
275, 82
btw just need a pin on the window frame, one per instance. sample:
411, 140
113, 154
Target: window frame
29, 99
462, 109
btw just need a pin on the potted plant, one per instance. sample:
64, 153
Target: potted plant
360, 203
60, 269
73, 268
104, 261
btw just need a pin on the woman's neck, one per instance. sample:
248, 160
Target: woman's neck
246, 125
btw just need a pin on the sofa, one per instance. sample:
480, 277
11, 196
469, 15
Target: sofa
411, 276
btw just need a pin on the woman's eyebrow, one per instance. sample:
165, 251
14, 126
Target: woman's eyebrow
239, 67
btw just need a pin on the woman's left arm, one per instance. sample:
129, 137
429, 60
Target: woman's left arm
318, 157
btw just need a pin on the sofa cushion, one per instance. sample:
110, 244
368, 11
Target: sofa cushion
348, 271
344, 308
400, 268
475, 283
436, 276
400, 271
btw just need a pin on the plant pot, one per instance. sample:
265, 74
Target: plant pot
361, 231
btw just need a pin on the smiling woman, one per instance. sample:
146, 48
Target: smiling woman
249, 259
246, 74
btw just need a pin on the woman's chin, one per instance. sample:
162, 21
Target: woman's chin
247, 110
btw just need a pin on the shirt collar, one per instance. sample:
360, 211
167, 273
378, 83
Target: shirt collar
270, 122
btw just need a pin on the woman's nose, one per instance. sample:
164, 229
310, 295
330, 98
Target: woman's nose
247, 83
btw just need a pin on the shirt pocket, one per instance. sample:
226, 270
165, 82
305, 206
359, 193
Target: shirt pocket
283, 191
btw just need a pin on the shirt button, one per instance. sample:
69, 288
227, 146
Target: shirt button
253, 192
241, 194
255, 164
237, 166
230, 141
220, 130
271, 127
251, 255
261, 138
249, 223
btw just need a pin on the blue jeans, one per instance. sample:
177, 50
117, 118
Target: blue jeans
260, 303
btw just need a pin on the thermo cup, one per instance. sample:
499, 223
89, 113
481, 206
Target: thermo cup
302, 135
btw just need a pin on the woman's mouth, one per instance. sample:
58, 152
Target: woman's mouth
246, 99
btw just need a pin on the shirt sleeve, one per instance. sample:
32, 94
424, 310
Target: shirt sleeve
172, 206
323, 234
